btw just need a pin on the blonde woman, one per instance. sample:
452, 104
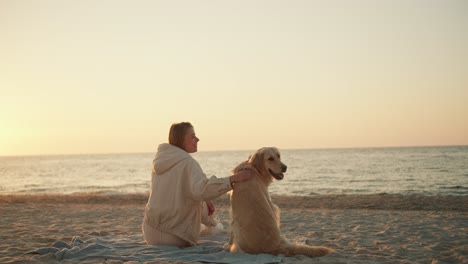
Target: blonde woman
181, 194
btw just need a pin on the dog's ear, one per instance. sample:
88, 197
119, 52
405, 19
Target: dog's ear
257, 161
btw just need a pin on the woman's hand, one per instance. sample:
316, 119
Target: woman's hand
211, 208
243, 175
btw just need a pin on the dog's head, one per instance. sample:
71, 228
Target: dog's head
268, 163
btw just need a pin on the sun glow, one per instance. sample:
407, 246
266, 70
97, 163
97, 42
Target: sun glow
112, 77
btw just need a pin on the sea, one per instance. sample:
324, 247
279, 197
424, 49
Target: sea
395, 170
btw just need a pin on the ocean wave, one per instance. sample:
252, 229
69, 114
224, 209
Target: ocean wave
310, 172
454, 190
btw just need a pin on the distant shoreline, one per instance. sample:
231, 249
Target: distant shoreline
227, 150
365, 201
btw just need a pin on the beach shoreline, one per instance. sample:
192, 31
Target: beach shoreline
380, 228
331, 201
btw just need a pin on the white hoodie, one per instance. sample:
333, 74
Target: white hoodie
178, 188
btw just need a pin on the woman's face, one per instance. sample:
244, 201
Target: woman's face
190, 141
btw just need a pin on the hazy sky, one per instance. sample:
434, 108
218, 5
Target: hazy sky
112, 76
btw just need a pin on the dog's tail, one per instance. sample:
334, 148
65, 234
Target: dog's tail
290, 249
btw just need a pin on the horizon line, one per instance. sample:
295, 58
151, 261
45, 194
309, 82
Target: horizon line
232, 150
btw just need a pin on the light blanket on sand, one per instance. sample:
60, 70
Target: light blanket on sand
131, 248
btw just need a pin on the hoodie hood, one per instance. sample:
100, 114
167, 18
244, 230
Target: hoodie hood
167, 157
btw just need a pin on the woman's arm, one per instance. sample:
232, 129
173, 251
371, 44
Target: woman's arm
203, 189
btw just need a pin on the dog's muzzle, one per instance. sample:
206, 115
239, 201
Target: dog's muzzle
279, 176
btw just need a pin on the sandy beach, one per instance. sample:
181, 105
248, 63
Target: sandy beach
361, 228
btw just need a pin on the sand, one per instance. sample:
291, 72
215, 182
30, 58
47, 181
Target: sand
361, 228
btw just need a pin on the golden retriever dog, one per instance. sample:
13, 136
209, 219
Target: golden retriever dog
255, 223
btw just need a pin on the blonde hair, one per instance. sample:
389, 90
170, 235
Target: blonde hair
177, 133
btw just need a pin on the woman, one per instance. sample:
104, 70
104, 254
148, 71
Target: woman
179, 189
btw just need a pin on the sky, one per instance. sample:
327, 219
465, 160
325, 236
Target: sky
95, 76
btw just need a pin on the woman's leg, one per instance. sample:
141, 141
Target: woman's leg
155, 237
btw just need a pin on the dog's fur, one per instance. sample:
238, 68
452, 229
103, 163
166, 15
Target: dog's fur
255, 225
